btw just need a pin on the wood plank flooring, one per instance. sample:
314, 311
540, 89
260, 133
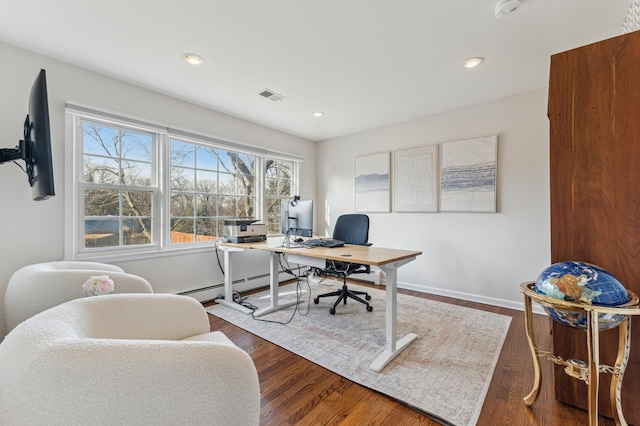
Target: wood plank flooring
295, 391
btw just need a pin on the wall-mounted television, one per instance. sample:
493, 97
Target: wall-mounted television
35, 147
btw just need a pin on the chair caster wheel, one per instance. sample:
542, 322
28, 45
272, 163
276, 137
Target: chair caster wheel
316, 300
367, 297
332, 311
369, 308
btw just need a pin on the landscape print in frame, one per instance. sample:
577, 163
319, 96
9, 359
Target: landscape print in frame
372, 183
468, 176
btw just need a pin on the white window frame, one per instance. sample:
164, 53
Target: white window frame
160, 245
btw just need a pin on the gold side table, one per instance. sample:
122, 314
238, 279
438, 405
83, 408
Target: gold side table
590, 370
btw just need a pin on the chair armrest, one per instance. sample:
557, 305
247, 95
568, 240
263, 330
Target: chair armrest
31, 291
113, 381
140, 316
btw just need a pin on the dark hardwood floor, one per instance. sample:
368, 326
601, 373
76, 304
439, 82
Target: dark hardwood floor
296, 391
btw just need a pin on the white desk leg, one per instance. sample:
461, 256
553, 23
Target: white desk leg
228, 283
393, 346
274, 286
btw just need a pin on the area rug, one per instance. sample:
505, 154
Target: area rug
445, 373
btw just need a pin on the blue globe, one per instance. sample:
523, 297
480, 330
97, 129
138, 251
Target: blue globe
581, 282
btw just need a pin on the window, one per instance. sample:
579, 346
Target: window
208, 185
142, 188
278, 187
118, 185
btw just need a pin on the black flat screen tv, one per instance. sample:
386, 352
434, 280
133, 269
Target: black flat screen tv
35, 148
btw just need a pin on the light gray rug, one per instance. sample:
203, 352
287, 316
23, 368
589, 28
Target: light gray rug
446, 372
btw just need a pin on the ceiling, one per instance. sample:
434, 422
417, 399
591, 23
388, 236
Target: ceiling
364, 63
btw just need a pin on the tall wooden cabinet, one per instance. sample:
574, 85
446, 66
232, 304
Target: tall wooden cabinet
594, 115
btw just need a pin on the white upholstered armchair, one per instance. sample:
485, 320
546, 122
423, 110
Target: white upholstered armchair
126, 359
40, 286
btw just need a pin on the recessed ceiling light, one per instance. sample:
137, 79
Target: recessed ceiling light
472, 62
193, 59
318, 114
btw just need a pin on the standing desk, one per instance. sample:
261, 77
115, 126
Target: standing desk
388, 260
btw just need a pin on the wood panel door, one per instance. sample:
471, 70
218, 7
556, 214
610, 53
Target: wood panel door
594, 114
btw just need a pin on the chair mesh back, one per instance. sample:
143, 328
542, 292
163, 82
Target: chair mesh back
352, 229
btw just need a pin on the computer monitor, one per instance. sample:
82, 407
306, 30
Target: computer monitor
297, 217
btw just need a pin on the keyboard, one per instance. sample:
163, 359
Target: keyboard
329, 243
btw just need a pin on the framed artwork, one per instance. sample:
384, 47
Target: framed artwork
372, 186
468, 176
415, 179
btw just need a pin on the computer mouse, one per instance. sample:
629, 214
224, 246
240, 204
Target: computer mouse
298, 240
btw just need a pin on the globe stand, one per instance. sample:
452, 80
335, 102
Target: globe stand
586, 371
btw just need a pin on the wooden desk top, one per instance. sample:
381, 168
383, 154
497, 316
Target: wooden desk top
365, 255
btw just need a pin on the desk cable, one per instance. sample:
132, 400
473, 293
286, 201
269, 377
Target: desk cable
218, 258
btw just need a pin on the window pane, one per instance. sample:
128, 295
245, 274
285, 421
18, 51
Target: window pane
182, 225
182, 154
284, 188
220, 227
137, 146
246, 164
270, 186
273, 216
135, 173
182, 205
246, 207
279, 169
182, 230
227, 207
207, 181
100, 140
183, 179
101, 202
207, 158
226, 161
206, 205
205, 229
100, 170
136, 203
136, 231
270, 170
245, 185
206, 186
101, 233
227, 183
278, 187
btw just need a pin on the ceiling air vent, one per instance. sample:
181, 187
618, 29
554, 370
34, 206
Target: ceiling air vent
269, 94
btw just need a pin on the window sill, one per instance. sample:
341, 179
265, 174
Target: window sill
120, 256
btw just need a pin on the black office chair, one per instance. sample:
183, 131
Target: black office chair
352, 229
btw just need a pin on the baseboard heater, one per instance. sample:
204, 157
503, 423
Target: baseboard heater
212, 292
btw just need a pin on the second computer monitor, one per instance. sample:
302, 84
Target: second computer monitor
297, 218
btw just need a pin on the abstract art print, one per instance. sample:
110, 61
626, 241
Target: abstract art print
468, 177
372, 185
415, 179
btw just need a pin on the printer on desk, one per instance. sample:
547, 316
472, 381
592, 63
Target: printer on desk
244, 231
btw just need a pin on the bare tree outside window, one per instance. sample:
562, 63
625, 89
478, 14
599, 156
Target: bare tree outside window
117, 169
140, 188
278, 187
208, 185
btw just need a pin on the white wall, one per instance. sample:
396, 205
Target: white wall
33, 232
474, 256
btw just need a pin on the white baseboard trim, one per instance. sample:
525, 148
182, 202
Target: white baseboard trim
493, 301
207, 294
